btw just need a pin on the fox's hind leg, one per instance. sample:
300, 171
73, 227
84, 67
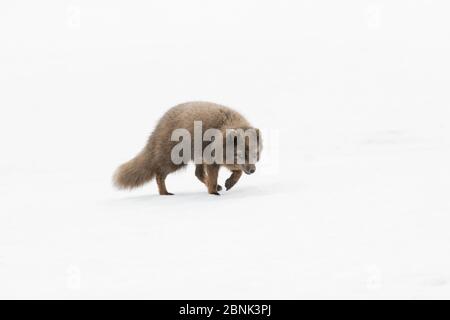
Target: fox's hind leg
200, 174
233, 179
161, 181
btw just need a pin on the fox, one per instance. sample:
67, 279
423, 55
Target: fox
154, 161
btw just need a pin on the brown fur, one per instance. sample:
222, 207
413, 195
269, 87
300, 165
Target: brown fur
155, 159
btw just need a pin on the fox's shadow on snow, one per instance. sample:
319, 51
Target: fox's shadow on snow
183, 197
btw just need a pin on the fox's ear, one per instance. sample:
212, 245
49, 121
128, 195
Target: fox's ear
258, 134
259, 140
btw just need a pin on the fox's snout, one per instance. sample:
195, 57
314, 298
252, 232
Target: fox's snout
249, 169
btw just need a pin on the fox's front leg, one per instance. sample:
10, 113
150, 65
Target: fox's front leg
200, 174
212, 172
233, 179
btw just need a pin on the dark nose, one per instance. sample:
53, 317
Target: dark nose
252, 171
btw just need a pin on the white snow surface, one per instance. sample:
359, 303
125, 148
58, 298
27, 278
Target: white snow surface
351, 199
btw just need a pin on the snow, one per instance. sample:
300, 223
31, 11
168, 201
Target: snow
351, 199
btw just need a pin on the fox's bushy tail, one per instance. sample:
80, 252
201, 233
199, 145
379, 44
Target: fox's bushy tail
135, 172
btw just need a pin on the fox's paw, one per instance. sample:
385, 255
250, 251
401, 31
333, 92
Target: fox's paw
167, 194
215, 193
229, 184
219, 187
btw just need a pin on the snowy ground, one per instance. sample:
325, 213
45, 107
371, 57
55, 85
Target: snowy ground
351, 199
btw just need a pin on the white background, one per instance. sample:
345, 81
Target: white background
352, 200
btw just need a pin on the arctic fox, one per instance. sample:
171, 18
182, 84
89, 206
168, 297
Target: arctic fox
155, 160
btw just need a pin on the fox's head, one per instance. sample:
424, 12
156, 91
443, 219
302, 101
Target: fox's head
243, 148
